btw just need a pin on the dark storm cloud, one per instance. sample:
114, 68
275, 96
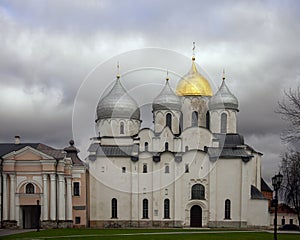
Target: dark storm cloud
48, 47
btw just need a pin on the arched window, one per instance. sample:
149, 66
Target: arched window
223, 123
169, 120
227, 209
166, 208
194, 119
29, 188
121, 128
198, 191
186, 148
207, 120
146, 146
145, 170
167, 169
166, 146
145, 208
114, 208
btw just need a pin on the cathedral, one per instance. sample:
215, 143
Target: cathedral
193, 169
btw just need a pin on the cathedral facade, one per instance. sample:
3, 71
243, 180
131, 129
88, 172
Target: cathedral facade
193, 169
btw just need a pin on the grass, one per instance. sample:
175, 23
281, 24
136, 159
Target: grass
148, 234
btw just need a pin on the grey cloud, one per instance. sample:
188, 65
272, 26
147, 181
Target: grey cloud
53, 45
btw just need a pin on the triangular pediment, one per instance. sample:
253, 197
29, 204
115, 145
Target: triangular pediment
27, 153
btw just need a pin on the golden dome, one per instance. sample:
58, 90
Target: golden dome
193, 84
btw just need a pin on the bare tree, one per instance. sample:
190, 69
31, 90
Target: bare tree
290, 188
289, 108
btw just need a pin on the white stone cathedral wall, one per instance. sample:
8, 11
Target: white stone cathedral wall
160, 120
228, 186
191, 104
258, 214
215, 121
111, 127
196, 138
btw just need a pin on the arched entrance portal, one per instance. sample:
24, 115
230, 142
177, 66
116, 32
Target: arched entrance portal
196, 216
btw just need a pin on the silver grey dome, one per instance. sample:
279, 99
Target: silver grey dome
118, 104
167, 99
223, 99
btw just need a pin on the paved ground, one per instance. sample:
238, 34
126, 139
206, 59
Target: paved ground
5, 232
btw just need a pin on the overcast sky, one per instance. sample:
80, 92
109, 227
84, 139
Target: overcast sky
47, 48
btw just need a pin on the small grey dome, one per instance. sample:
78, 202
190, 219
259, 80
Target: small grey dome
118, 104
223, 99
167, 99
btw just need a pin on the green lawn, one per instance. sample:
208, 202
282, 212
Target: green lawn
148, 234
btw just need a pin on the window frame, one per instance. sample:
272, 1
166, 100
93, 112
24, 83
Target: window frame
186, 168
227, 209
145, 209
122, 128
198, 191
167, 168
166, 146
195, 119
77, 220
114, 208
223, 127
207, 118
169, 120
167, 208
30, 188
76, 189
145, 168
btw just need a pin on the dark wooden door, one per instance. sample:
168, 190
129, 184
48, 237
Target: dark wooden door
196, 216
30, 214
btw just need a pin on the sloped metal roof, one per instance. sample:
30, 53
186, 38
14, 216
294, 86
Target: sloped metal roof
113, 151
256, 194
265, 187
228, 153
6, 148
230, 140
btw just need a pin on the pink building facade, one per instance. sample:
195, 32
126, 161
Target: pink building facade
38, 180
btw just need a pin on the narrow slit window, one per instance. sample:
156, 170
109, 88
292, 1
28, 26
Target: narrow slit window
166, 146
227, 209
76, 189
223, 123
169, 120
194, 119
166, 208
121, 128
114, 208
145, 170
145, 208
